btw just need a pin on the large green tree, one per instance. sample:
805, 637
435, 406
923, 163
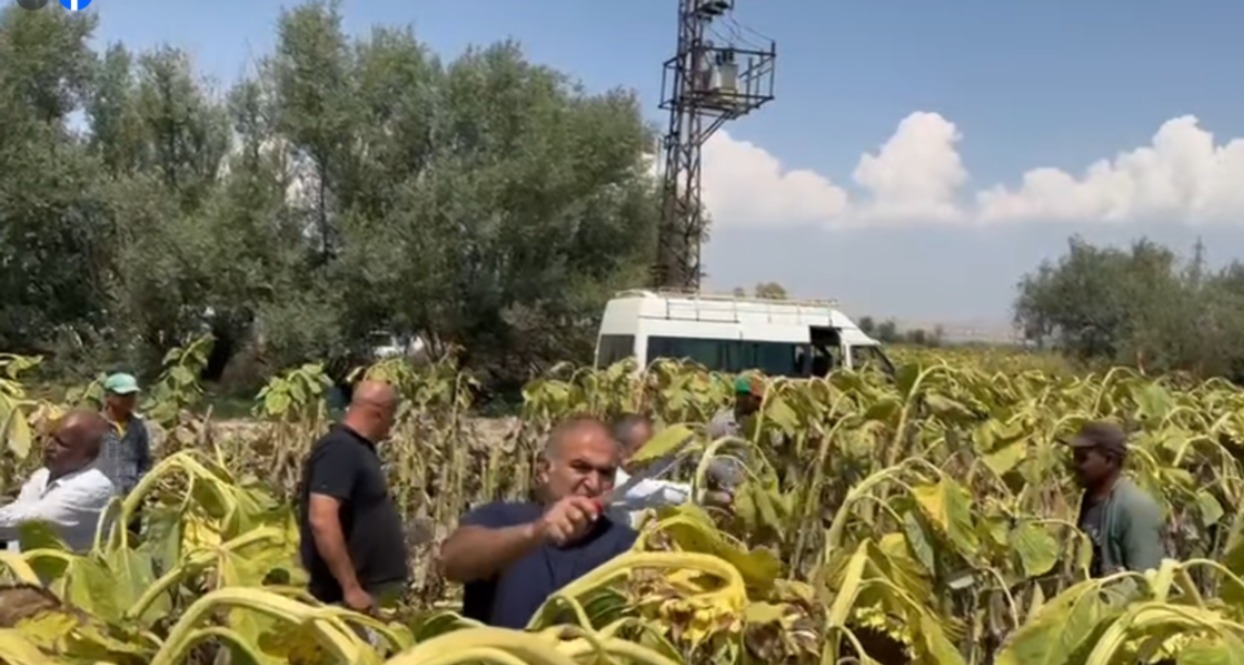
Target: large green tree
1141, 305
347, 185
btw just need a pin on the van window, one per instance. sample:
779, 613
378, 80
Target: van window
731, 355
614, 348
864, 357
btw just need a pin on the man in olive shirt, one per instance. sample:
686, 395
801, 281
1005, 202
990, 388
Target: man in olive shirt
1123, 522
748, 396
352, 542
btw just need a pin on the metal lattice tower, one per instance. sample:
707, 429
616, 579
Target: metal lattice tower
715, 76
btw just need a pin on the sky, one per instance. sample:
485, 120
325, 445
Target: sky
918, 158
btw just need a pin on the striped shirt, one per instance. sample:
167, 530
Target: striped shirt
126, 454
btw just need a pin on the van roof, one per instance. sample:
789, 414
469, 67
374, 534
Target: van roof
693, 295
717, 308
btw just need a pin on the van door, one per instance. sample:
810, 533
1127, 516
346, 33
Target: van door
827, 351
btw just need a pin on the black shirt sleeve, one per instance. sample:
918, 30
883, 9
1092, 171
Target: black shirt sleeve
334, 470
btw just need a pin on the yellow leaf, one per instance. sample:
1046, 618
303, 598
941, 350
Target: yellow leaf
781, 414
17, 650
762, 613
663, 443
949, 507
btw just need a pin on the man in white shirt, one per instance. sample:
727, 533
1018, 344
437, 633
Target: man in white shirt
632, 431
69, 492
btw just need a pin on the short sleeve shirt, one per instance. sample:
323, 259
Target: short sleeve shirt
511, 598
344, 465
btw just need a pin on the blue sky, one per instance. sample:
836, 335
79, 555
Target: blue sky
1004, 88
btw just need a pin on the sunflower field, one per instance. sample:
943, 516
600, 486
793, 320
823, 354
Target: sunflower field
928, 517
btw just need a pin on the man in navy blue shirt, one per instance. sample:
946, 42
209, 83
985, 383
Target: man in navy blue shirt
511, 556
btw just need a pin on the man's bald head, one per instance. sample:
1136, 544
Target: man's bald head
372, 408
75, 442
376, 393
580, 457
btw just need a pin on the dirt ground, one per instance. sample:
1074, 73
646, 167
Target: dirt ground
489, 430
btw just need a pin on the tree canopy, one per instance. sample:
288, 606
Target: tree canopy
346, 186
1137, 306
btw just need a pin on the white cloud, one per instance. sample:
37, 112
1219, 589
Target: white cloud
917, 177
1181, 176
745, 185
916, 174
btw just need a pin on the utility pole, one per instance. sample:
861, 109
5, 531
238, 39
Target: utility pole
713, 77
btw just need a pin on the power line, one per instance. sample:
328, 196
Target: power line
717, 74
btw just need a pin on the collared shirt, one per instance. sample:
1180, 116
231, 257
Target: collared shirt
72, 504
126, 453
1131, 530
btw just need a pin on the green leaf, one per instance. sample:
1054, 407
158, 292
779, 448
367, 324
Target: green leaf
1061, 627
1222, 649
1006, 457
1211, 510
1038, 550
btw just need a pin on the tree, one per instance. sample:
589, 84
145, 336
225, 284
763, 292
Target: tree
1139, 306
55, 245
770, 290
350, 185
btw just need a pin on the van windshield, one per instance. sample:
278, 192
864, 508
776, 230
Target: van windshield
731, 355
865, 356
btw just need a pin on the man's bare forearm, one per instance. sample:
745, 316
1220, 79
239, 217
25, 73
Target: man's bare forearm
331, 545
476, 552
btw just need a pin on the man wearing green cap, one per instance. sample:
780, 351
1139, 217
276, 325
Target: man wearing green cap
748, 394
126, 456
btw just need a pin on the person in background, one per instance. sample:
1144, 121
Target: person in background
69, 492
1123, 522
511, 556
126, 455
351, 537
632, 431
748, 396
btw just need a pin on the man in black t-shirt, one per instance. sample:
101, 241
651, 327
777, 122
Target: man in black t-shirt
511, 556
352, 543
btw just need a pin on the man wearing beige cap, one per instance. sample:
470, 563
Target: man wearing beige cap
1123, 522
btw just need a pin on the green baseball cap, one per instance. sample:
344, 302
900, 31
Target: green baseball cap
121, 384
748, 385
